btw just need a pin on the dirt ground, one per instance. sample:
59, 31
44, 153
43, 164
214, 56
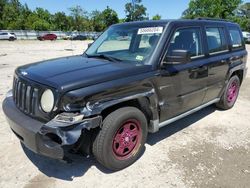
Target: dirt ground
210, 148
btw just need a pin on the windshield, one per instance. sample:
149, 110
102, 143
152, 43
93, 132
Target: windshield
125, 43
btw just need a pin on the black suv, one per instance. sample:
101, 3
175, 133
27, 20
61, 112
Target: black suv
135, 78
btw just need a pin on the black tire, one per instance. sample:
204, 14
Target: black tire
105, 141
11, 39
225, 103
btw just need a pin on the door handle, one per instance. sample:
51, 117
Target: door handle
234, 58
199, 69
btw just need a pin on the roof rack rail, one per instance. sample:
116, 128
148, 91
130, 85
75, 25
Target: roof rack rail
212, 19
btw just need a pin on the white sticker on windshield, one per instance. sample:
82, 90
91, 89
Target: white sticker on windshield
150, 30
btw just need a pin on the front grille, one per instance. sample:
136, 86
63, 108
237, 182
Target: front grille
25, 96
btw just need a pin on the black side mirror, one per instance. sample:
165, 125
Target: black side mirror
89, 44
178, 57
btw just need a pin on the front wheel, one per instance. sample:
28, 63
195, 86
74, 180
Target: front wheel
121, 140
230, 94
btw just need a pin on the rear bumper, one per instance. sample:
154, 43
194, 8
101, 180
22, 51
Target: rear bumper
48, 140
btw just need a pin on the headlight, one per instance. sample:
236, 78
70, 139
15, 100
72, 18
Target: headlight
47, 101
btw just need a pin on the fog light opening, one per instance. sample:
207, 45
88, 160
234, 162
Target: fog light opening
54, 138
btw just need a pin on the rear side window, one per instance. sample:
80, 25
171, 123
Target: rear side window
216, 39
235, 37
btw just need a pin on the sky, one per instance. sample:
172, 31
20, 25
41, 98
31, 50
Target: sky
168, 9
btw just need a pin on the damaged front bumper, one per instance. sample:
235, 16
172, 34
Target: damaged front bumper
52, 139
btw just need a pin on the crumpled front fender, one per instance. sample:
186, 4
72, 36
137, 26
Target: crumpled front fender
66, 133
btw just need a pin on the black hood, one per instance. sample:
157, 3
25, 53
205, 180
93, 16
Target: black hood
78, 71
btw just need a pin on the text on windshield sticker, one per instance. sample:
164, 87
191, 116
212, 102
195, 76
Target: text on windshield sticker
150, 30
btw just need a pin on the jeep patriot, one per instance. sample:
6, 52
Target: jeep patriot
135, 78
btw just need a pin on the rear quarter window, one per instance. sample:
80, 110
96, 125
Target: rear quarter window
235, 37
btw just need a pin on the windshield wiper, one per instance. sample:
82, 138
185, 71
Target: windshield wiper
102, 56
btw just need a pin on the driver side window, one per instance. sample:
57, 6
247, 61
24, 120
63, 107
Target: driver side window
187, 39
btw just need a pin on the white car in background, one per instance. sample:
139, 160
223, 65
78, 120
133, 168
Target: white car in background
246, 36
8, 36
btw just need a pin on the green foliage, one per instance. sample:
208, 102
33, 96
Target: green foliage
10, 15
79, 18
244, 10
97, 21
242, 16
211, 8
136, 12
2, 5
156, 17
232, 10
243, 22
14, 15
110, 17
61, 22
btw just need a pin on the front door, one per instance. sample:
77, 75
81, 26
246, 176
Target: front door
182, 86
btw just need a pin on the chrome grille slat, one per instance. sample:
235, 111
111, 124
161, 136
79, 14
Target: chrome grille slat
34, 100
15, 89
19, 94
27, 104
25, 96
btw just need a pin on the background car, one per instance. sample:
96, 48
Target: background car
246, 36
93, 36
8, 36
79, 37
47, 37
69, 36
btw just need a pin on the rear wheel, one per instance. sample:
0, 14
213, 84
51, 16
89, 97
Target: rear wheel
121, 140
11, 39
230, 94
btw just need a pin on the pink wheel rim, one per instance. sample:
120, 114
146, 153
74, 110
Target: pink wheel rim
232, 92
127, 139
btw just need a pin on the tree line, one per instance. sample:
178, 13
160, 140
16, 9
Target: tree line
17, 16
232, 10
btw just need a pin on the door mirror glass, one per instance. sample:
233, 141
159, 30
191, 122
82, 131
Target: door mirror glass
178, 57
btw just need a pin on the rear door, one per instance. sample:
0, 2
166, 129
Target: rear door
218, 58
182, 86
238, 51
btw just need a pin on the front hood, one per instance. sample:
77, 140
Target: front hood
78, 71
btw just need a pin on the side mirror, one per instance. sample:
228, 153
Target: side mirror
89, 44
178, 57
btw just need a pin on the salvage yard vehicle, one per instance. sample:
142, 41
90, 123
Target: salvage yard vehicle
79, 37
105, 101
246, 36
8, 36
49, 36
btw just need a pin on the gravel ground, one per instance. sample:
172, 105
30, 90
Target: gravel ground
210, 148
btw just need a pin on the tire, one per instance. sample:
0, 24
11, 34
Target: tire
115, 147
230, 94
11, 39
